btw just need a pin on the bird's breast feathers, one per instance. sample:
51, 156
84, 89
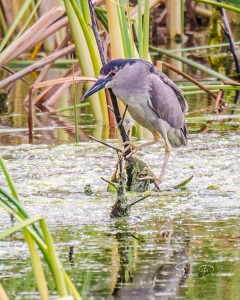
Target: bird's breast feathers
141, 112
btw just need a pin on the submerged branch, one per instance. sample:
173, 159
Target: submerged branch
142, 198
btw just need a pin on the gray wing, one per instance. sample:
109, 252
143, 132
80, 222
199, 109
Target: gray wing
166, 99
154, 71
177, 91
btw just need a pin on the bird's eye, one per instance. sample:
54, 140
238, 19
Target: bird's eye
112, 73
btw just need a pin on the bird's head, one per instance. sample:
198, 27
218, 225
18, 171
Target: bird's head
110, 74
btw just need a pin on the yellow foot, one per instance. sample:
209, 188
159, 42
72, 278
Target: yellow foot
157, 180
130, 146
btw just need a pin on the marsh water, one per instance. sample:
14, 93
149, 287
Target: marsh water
176, 244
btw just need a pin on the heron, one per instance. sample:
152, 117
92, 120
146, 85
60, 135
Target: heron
152, 99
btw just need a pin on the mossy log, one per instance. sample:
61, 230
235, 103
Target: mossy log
128, 179
120, 207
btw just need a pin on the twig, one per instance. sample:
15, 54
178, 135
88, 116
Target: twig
124, 135
120, 163
105, 144
156, 185
110, 107
219, 105
227, 31
124, 114
11, 72
188, 77
233, 49
232, 83
71, 254
142, 198
30, 114
110, 182
117, 114
95, 31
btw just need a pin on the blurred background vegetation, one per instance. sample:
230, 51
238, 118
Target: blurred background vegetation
49, 56
39, 36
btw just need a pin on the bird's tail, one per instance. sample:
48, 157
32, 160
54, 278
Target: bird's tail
178, 136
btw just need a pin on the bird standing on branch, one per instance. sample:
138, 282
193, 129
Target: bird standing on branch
153, 101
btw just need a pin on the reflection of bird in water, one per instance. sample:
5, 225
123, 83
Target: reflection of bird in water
160, 280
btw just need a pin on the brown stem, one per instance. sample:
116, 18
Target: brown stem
233, 48
232, 83
188, 77
95, 31
121, 128
30, 114
218, 103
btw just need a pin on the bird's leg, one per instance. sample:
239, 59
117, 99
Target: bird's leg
159, 179
156, 138
134, 148
168, 149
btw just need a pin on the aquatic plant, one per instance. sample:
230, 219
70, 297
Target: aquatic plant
38, 237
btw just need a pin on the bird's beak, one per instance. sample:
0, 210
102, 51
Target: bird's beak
99, 85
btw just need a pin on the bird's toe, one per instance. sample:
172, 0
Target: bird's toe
131, 146
157, 180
